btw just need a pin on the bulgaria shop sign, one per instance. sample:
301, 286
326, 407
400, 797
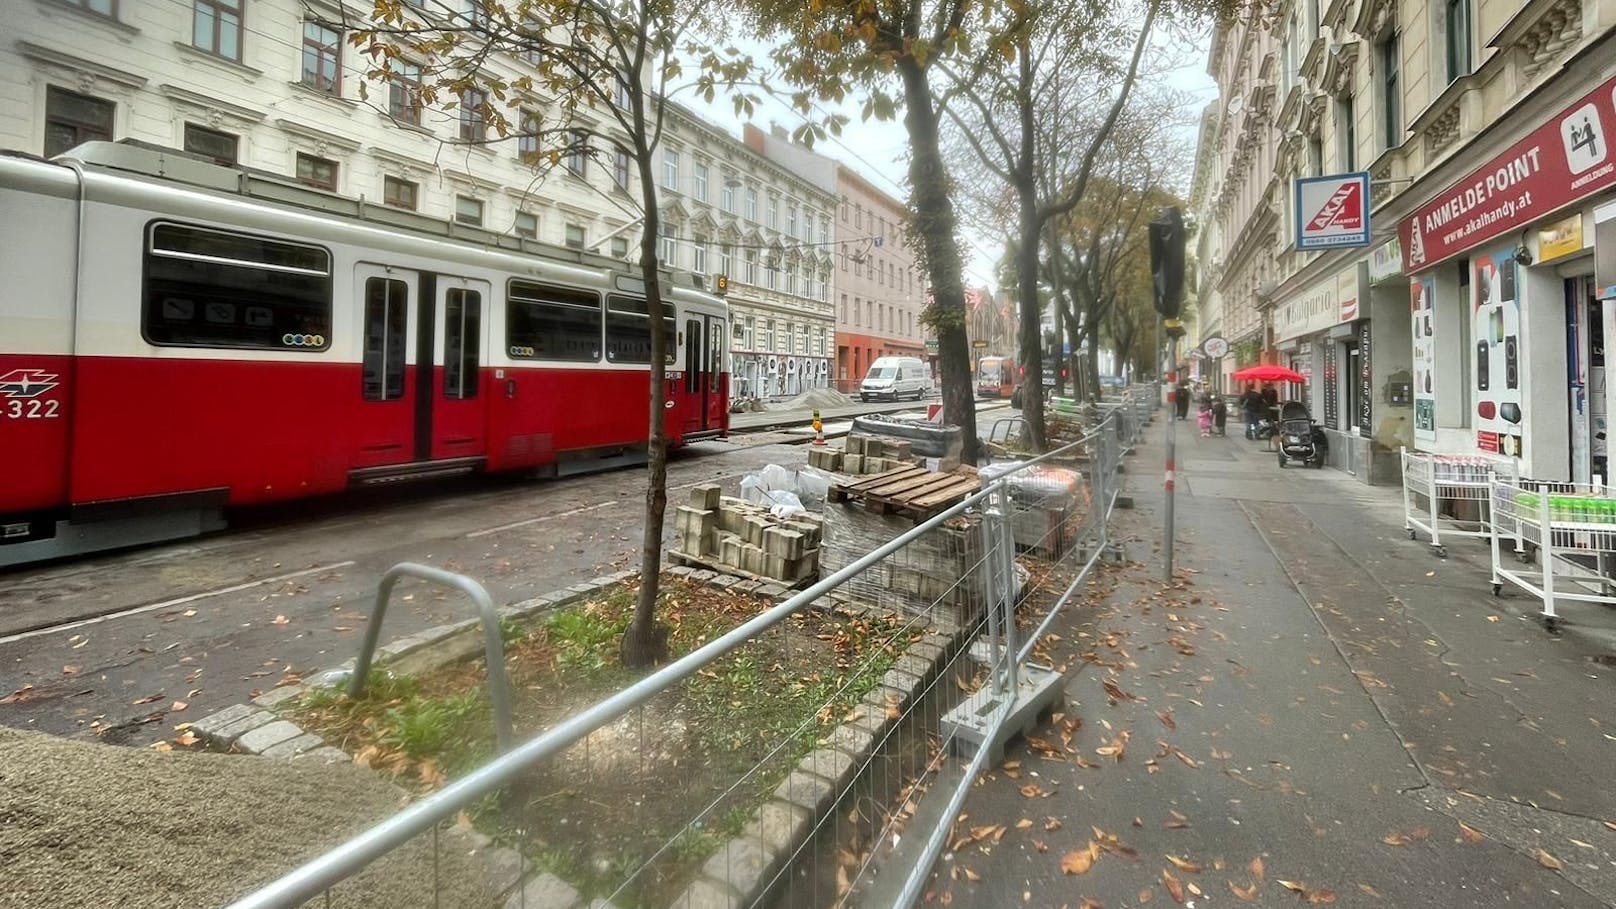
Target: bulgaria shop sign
1564, 160
1329, 302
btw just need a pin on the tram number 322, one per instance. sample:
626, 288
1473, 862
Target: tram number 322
30, 410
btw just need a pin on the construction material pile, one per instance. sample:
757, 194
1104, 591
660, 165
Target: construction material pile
753, 540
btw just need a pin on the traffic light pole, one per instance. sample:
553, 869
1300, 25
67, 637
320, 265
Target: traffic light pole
1172, 466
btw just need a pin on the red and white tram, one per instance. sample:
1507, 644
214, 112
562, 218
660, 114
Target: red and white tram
177, 336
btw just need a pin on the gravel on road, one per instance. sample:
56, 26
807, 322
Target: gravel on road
87, 824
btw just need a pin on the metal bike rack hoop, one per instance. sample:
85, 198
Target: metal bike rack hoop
498, 685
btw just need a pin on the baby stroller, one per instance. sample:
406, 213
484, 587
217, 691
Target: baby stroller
1300, 439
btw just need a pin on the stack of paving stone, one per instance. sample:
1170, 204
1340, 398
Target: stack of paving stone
731, 535
865, 454
938, 575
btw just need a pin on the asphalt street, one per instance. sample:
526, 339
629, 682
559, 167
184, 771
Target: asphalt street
1316, 711
125, 646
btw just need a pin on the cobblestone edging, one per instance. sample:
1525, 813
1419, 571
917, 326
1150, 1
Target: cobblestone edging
738, 873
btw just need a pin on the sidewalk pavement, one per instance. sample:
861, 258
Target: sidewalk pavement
1316, 710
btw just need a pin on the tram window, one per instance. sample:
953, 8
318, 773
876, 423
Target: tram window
552, 323
211, 288
386, 300
628, 336
462, 329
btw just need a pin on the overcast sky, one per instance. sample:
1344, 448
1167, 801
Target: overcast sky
879, 150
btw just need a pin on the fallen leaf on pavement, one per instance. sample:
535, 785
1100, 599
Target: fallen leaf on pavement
1577, 842
1079, 861
1257, 868
1024, 823
1052, 824
147, 699
280, 620
1320, 897
1185, 865
1166, 718
70, 670
1174, 888
1186, 758
1548, 861
1470, 834
972, 875
1246, 894
1371, 891
1177, 821
1395, 839
1090, 902
1610, 825
1145, 895
1032, 791
1294, 886
187, 738
179, 705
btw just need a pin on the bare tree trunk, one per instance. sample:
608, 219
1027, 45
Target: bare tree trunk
645, 642
1026, 185
938, 227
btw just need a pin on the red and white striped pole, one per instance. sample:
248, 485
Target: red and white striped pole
1172, 466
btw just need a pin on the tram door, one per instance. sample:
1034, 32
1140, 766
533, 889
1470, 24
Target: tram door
695, 410
458, 398
422, 342
712, 405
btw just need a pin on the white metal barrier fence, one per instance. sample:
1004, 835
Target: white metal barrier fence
809, 807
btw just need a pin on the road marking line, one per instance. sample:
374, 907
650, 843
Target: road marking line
96, 620
487, 531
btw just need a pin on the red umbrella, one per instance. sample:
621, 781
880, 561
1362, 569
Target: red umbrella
1268, 374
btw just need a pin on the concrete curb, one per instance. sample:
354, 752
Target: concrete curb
739, 873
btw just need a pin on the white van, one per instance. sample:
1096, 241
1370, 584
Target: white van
894, 378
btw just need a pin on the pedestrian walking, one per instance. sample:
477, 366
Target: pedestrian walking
1220, 414
1251, 407
1181, 399
1204, 418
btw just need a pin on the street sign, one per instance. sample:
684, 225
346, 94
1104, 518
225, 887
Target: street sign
1332, 212
980, 345
1215, 347
1196, 353
932, 345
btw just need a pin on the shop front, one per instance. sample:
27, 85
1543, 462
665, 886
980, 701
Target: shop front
1509, 326
1333, 332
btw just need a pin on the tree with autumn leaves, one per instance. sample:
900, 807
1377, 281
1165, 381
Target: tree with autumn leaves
595, 74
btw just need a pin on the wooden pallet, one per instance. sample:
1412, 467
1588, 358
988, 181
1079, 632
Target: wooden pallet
910, 491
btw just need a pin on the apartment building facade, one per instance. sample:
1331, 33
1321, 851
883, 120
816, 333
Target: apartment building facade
264, 84
879, 287
1472, 323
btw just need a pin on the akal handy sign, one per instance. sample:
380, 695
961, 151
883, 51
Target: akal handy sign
1332, 212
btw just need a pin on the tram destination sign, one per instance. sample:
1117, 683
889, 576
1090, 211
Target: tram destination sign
1564, 160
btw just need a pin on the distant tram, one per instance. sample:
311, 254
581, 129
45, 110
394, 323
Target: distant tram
995, 377
177, 337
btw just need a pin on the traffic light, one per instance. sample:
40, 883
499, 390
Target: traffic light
1167, 261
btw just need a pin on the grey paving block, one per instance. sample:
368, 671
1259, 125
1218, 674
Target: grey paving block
703, 894
898, 680
806, 791
773, 591
926, 651
227, 734
747, 586
505, 866
702, 576
267, 736
544, 892
854, 740
278, 695
831, 765
780, 826
745, 865
681, 570
211, 724
293, 747
603, 581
